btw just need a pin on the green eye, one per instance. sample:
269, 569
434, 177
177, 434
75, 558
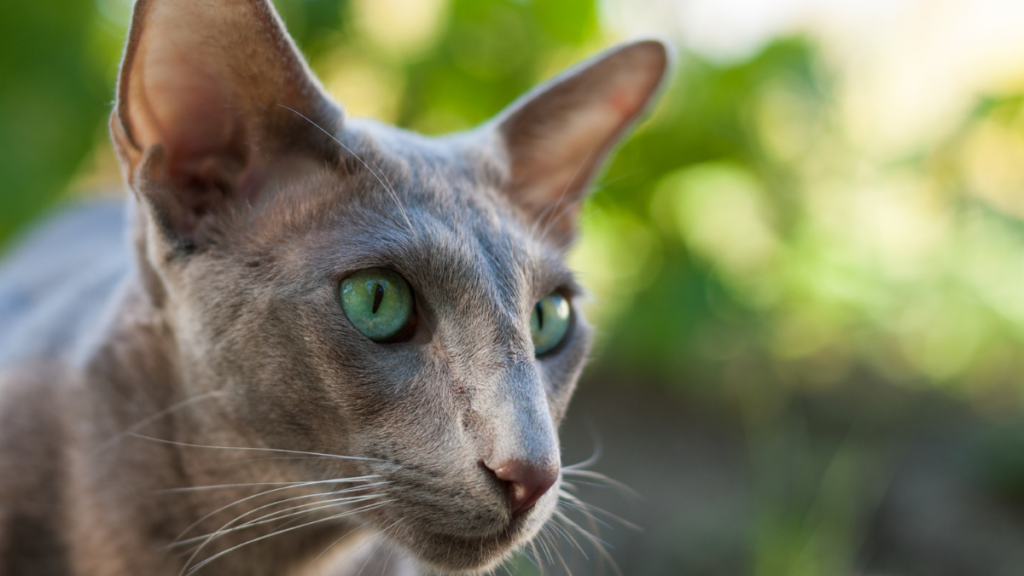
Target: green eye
378, 302
549, 323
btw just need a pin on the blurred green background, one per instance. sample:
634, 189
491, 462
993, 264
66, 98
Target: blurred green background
807, 264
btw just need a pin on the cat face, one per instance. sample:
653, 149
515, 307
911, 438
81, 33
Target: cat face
435, 414
258, 203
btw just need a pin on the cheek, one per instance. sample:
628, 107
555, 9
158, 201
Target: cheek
276, 378
561, 377
288, 400
411, 408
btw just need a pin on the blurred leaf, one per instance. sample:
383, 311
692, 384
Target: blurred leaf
53, 100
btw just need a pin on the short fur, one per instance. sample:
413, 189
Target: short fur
203, 375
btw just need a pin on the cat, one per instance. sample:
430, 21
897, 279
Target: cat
324, 345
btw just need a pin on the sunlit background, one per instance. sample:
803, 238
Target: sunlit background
806, 266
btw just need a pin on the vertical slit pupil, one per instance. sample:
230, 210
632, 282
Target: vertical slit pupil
378, 296
540, 316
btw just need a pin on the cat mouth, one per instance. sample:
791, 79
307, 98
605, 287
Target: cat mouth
449, 552
477, 552
451, 526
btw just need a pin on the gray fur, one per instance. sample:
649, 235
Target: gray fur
214, 352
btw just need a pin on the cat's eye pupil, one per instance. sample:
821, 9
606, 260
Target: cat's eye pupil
549, 323
378, 296
379, 304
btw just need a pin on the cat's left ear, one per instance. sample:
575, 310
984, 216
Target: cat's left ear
556, 136
214, 105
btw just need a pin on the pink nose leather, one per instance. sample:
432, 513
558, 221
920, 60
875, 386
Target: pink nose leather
527, 482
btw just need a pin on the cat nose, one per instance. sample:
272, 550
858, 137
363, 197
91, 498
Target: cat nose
527, 482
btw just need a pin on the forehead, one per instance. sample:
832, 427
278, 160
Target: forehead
430, 208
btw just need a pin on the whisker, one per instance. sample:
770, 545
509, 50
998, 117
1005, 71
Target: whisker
601, 477
217, 486
275, 533
565, 534
333, 503
554, 546
247, 498
384, 569
279, 514
578, 482
311, 507
518, 556
150, 419
188, 445
600, 545
590, 461
333, 544
178, 538
251, 460
574, 502
547, 551
584, 510
593, 521
539, 564
380, 542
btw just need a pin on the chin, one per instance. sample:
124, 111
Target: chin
474, 553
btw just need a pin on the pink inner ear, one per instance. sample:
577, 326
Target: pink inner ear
564, 161
179, 103
626, 102
563, 153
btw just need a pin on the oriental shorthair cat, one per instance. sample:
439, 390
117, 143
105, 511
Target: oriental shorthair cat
305, 343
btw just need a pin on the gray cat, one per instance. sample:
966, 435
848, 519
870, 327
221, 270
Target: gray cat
328, 346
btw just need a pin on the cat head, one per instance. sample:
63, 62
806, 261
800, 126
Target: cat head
350, 288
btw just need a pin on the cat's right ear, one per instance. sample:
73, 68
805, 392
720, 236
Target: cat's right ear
214, 103
555, 138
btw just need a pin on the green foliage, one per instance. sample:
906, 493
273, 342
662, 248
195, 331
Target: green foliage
53, 100
707, 117
491, 52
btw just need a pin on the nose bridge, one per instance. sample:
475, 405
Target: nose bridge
518, 420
